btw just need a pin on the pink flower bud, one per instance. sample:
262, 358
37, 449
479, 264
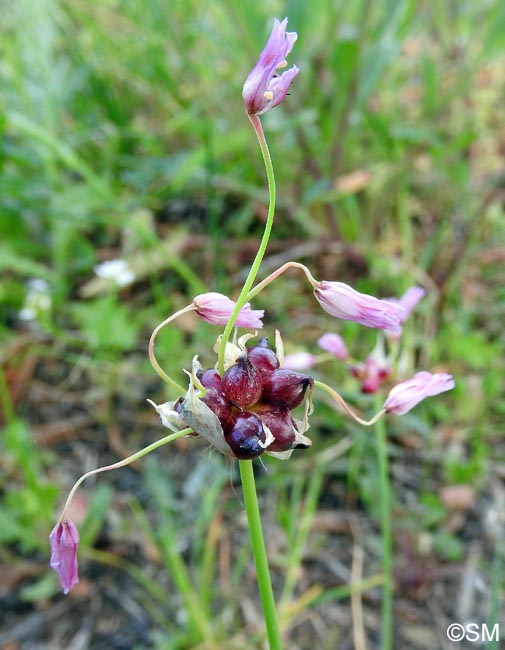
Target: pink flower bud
216, 309
409, 300
342, 301
334, 344
64, 540
299, 361
406, 395
264, 88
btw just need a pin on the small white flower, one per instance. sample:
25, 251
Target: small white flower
117, 270
37, 300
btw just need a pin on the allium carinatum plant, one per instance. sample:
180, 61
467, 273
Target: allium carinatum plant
250, 402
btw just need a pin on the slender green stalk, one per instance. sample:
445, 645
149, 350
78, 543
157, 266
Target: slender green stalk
340, 400
253, 272
386, 532
246, 469
122, 463
152, 357
273, 276
260, 554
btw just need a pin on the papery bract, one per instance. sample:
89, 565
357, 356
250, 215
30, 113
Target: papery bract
342, 301
64, 540
334, 344
403, 397
264, 88
215, 308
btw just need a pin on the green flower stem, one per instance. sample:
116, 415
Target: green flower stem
260, 554
123, 463
386, 532
152, 357
288, 265
340, 400
253, 272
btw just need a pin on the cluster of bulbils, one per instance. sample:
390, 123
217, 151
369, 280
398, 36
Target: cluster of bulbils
253, 401
247, 410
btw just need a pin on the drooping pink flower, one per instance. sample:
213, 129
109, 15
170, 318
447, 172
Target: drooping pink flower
215, 308
298, 361
403, 397
64, 540
264, 88
334, 344
409, 300
342, 301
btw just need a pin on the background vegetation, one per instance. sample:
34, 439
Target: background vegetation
124, 136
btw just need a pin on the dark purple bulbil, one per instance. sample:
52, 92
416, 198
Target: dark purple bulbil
254, 395
218, 403
281, 424
243, 433
263, 358
211, 379
285, 387
242, 383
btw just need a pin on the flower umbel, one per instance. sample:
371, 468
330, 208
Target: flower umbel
264, 88
403, 397
216, 309
342, 301
64, 540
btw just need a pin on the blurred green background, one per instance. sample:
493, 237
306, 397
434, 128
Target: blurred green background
124, 136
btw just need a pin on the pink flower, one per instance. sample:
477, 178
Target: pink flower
264, 88
217, 309
298, 361
342, 301
64, 540
406, 395
408, 301
334, 344
372, 373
